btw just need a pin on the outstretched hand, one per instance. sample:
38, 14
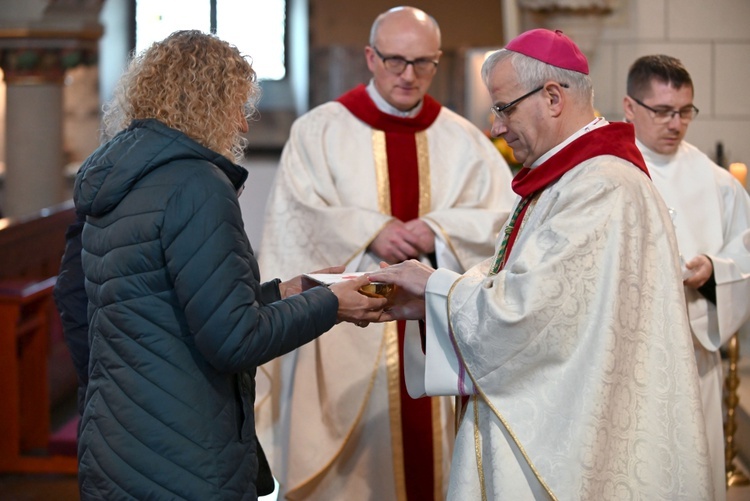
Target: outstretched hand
354, 306
411, 276
302, 283
407, 301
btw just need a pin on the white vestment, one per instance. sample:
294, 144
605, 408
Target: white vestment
578, 353
327, 420
711, 213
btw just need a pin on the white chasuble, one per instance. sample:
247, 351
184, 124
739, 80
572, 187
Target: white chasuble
330, 417
579, 350
711, 214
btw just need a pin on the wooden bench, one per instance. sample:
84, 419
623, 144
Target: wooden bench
36, 371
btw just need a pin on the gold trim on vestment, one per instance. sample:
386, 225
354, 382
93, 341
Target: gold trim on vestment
382, 183
478, 448
393, 370
529, 210
381, 171
489, 403
293, 491
423, 163
437, 448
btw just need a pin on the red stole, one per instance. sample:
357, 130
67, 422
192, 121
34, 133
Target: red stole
616, 139
400, 144
403, 176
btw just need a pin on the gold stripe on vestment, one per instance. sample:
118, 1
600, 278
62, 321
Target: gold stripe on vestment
380, 155
478, 448
382, 183
437, 448
393, 370
423, 162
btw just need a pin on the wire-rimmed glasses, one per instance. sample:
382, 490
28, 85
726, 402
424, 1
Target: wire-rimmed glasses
663, 115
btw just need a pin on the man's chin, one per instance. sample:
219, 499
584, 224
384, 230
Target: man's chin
669, 147
406, 101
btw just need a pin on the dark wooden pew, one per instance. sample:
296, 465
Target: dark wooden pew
36, 371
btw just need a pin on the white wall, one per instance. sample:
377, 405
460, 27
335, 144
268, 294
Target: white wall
712, 39
262, 169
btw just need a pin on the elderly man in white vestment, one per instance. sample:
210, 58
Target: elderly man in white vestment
570, 348
711, 214
384, 173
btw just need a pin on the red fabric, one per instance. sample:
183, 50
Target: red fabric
403, 176
358, 102
551, 47
616, 139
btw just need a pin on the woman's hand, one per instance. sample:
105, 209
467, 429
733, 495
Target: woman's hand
354, 306
302, 283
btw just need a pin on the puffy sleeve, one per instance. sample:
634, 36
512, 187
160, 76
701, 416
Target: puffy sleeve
217, 282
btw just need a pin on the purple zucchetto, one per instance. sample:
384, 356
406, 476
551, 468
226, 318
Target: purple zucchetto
551, 47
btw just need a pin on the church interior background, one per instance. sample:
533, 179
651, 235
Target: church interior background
60, 59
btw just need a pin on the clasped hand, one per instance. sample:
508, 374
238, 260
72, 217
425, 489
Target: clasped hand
399, 241
701, 269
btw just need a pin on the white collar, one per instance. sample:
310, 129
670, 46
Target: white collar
594, 124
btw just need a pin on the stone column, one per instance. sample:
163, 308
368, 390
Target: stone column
33, 141
39, 41
34, 68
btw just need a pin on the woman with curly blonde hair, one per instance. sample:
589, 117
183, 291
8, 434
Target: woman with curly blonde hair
170, 82
177, 318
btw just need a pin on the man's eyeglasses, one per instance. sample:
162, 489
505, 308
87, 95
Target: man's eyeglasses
503, 112
663, 116
398, 64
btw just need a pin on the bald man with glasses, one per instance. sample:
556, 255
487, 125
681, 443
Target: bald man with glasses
384, 173
711, 214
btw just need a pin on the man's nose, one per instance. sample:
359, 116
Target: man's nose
675, 122
498, 127
409, 72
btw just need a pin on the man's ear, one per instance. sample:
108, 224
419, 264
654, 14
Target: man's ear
370, 58
555, 97
627, 106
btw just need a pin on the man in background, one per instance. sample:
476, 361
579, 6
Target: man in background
711, 214
571, 346
384, 173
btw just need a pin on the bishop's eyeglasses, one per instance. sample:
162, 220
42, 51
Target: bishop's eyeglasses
503, 112
663, 115
398, 64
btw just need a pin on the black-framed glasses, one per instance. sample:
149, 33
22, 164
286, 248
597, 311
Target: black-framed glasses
502, 112
398, 64
665, 115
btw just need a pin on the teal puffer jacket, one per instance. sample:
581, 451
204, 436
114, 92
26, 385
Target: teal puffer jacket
178, 321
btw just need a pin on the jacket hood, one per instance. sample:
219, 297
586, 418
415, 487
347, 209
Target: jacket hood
116, 166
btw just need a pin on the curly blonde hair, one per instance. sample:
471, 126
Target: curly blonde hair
190, 81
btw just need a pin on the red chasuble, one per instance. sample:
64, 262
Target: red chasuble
403, 176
